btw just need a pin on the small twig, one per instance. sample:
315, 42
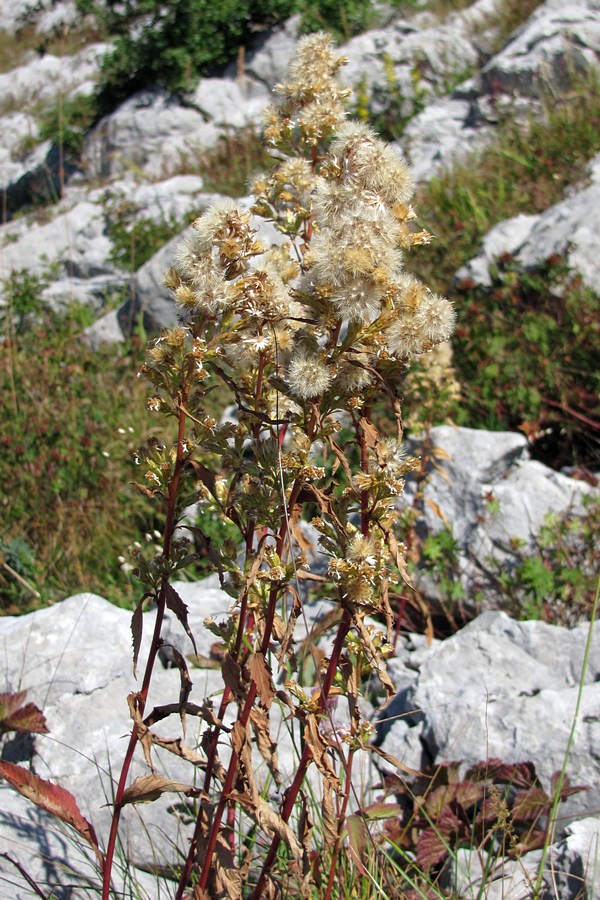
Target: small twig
20, 579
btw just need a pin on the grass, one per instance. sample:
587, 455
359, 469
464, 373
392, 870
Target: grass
16, 48
526, 169
70, 419
227, 166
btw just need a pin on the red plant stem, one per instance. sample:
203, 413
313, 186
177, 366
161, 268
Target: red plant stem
160, 612
341, 820
292, 792
244, 717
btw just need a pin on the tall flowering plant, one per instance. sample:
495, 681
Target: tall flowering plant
306, 335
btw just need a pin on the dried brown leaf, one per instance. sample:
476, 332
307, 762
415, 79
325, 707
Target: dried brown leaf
260, 673
320, 751
142, 731
265, 743
147, 788
177, 606
375, 658
232, 676
328, 821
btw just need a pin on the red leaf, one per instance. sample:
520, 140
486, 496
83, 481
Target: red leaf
431, 848
52, 798
14, 716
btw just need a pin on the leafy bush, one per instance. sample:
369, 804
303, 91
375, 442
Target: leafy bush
173, 44
67, 122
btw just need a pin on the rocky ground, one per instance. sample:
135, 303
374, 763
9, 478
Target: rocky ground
497, 688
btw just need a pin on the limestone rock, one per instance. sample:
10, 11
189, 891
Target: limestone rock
570, 229
472, 469
501, 689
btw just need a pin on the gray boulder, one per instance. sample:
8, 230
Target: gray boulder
155, 132
74, 242
570, 229
48, 78
500, 689
557, 40
486, 489
74, 659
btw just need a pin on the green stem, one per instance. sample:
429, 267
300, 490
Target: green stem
561, 778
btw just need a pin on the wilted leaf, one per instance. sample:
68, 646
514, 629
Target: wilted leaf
319, 751
232, 676
357, 839
261, 675
137, 625
328, 818
53, 799
437, 509
266, 745
177, 606
143, 733
393, 760
14, 716
147, 788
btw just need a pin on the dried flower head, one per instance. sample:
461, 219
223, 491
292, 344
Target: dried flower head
308, 375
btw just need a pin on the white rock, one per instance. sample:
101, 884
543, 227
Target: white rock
570, 229
150, 131
48, 78
230, 104
557, 40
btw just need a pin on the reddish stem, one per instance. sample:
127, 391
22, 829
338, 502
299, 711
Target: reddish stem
292, 792
143, 693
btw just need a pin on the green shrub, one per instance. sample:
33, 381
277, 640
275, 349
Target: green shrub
67, 123
173, 44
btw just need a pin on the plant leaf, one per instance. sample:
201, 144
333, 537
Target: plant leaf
261, 675
147, 788
52, 798
176, 605
357, 839
14, 716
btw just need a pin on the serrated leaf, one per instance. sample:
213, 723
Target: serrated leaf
177, 606
17, 716
28, 719
431, 848
260, 673
147, 788
52, 798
